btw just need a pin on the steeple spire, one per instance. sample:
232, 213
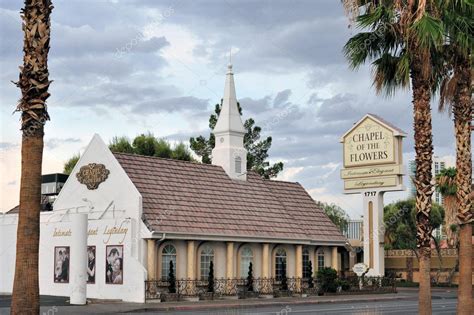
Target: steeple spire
229, 118
229, 151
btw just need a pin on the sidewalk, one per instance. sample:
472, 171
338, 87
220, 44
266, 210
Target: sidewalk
60, 305
240, 304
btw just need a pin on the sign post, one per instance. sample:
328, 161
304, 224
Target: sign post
373, 165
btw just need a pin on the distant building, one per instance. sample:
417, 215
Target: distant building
354, 230
438, 165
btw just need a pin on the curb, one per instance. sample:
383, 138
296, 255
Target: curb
197, 307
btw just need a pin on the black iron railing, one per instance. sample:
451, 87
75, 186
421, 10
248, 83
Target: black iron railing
241, 288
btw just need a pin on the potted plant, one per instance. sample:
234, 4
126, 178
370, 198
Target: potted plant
249, 285
171, 295
209, 294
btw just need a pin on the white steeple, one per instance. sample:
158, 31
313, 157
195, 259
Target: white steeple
229, 151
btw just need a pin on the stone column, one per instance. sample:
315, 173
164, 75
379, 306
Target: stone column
191, 259
265, 259
334, 260
298, 266
299, 261
229, 270
230, 261
151, 259
78, 259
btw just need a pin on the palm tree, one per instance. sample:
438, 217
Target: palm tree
402, 45
455, 96
446, 186
34, 84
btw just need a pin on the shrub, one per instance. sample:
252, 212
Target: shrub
344, 284
210, 284
250, 279
310, 271
171, 279
327, 279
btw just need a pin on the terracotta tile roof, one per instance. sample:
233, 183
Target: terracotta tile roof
195, 198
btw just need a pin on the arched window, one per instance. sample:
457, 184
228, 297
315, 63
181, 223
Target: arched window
306, 271
320, 258
280, 263
238, 165
207, 255
168, 254
246, 257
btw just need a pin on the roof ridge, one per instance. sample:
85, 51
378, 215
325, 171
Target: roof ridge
164, 159
280, 181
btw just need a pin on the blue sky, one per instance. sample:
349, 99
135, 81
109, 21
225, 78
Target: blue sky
128, 67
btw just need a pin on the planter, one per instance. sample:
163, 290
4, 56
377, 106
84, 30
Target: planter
206, 296
170, 297
282, 293
248, 295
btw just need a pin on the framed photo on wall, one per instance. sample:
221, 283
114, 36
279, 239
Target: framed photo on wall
91, 264
61, 264
114, 264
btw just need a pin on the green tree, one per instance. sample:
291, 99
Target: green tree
400, 223
257, 148
144, 144
69, 165
250, 278
181, 152
404, 49
121, 144
283, 278
210, 278
446, 186
336, 214
310, 272
171, 279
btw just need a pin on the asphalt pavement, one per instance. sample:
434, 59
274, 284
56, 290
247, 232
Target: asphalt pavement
404, 302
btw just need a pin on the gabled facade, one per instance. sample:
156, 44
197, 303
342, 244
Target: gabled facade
145, 212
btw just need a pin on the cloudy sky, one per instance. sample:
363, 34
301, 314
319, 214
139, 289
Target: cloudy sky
128, 67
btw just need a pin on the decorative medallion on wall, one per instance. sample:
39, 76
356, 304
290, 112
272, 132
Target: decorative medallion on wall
92, 175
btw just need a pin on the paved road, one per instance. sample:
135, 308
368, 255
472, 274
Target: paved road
444, 302
388, 307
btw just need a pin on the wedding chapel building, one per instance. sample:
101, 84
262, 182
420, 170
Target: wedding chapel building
144, 212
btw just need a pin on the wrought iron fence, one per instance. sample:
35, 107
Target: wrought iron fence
241, 288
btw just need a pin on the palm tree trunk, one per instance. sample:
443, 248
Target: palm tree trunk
462, 110
25, 299
450, 219
423, 184
34, 83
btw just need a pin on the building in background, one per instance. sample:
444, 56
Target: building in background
438, 165
355, 235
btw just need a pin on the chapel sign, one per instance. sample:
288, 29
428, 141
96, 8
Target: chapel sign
372, 155
373, 165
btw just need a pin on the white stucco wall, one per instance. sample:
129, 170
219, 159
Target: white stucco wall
134, 274
116, 202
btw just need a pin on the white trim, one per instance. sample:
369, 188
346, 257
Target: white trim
247, 239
